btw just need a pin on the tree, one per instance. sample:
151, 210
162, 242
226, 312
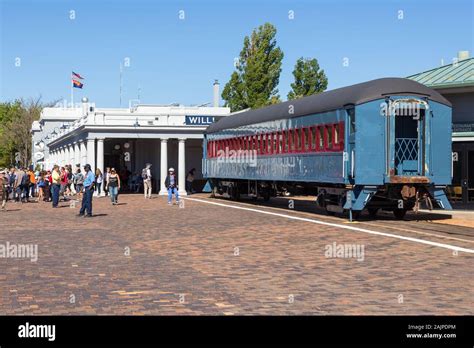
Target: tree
309, 79
254, 83
16, 119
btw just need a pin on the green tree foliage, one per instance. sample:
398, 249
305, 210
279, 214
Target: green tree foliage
309, 79
254, 83
16, 119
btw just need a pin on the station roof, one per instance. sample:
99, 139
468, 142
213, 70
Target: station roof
460, 74
330, 100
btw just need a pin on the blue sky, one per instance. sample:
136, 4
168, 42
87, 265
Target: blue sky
175, 60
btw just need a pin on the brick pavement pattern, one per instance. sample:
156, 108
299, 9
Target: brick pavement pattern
205, 259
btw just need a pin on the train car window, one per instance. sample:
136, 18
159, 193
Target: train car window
275, 138
298, 140
321, 138
352, 121
339, 136
284, 143
306, 139
280, 142
289, 140
312, 132
266, 144
329, 135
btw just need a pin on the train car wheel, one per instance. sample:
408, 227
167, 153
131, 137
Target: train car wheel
399, 213
235, 194
266, 195
373, 212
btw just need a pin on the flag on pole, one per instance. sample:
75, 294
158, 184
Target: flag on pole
77, 84
76, 75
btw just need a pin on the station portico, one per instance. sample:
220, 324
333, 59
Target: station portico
126, 139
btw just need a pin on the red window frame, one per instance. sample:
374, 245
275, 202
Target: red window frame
296, 139
291, 141
340, 143
313, 135
328, 129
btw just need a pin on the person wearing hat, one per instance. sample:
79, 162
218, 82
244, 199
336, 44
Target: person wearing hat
3, 188
86, 207
171, 183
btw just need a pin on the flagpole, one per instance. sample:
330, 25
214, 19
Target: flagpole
72, 92
120, 92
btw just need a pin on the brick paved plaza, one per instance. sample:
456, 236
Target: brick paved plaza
211, 259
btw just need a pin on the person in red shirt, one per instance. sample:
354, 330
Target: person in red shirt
64, 180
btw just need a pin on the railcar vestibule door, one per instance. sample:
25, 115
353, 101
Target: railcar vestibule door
409, 138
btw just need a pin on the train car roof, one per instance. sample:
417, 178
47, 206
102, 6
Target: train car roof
330, 100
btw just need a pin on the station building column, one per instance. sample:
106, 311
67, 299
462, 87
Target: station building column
91, 153
77, 154
83, 149
163, 166
182, 167
100, 161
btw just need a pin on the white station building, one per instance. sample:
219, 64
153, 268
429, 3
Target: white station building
126, 138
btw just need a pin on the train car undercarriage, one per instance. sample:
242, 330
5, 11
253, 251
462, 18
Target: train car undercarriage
353, 199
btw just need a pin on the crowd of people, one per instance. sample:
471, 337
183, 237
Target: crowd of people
24, 185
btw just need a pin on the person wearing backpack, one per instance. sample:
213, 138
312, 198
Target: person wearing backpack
78, 182
146, 176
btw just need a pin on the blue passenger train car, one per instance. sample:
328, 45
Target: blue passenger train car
382, 144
